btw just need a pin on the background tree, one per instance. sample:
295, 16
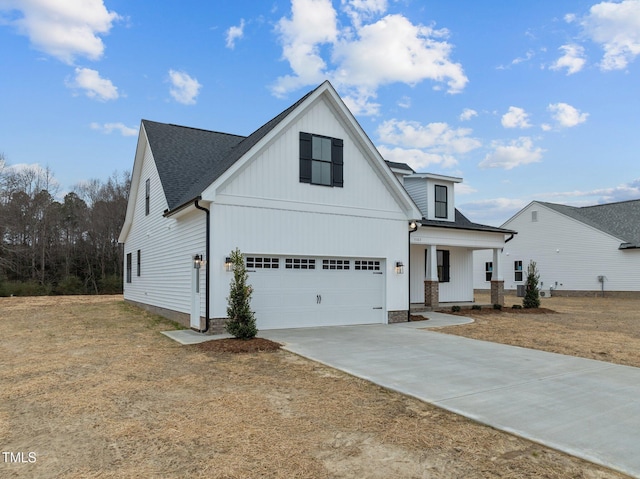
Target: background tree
53, 245
532, 293
242, 322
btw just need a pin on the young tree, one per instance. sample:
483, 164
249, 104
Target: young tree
242, 322
532, 293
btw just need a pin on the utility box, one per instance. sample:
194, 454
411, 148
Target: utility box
520, 290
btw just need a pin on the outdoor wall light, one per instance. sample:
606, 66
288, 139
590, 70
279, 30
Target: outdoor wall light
399, 267
228, 265
197, 261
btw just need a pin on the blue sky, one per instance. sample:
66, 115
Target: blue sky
523, 100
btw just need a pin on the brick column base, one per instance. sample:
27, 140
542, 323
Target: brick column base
431, 293
497, 292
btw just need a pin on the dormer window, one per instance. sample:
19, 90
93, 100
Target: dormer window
321, 160
441, 207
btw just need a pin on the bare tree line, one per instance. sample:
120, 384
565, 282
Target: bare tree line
60, 246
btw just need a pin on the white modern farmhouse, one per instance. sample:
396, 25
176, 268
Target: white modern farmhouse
323, 221
590, 250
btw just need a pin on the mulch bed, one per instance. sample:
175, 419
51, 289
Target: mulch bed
487, 311
417, 317
232, 345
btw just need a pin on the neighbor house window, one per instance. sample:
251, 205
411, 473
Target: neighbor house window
534, 216
444, 265
517, 269
147, 196
488, 271
128, 267
441, 201
138, 269
321, 160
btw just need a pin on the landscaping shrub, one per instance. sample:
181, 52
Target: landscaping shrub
516, 306
242, 322
476, 307
497, 306
456, 309
532, 293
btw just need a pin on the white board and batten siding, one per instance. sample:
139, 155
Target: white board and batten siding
569, 254
265, 211
166, 246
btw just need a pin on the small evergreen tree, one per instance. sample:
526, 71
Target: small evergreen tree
242, 322
532, 293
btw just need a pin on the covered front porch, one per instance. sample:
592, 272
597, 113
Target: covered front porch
441, 265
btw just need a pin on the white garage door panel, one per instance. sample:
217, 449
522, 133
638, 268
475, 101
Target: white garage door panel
292, 298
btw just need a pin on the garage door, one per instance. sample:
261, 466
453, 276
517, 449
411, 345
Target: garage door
295, 292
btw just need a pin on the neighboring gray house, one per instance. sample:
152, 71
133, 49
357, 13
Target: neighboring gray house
578, 250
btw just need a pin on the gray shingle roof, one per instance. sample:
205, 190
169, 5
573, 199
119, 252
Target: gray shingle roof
189, 159
461, 222
621, 220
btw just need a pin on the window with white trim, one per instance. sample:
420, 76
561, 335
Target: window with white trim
488, 270
441, 206
517, 270
321, 160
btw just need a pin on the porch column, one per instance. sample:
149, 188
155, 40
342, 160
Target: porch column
497, 279
431, 284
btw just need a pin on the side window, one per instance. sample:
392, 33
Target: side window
444, 265
517, 270
321, 160
488, 270
441, 202
138, 270
128, 267
147, 196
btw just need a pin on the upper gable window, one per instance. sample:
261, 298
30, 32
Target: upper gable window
321, 160
441, 201
147, 196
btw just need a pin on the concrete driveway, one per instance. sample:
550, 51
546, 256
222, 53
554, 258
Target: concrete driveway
586, 408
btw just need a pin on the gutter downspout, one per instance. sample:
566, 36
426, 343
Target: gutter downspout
207, 265
412, 229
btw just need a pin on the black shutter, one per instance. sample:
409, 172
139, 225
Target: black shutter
305, 157
337, 162
446, 265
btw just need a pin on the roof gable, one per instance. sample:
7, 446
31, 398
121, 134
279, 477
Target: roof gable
621, 220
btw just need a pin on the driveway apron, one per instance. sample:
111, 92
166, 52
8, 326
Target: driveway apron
587, 408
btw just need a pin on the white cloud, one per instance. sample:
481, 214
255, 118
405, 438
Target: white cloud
566, 115
417, 159
512, 154
616, 27
184, 89
93, 85
467, 114
404, 102
438, 136
465, 189
423, 145
515, 118
573, 59
235, 33
623, 192
109, 128
64, 29
365, 54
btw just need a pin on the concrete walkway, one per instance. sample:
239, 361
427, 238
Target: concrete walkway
586, 408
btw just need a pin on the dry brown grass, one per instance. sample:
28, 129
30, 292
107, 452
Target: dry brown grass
606, 329
92, 388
